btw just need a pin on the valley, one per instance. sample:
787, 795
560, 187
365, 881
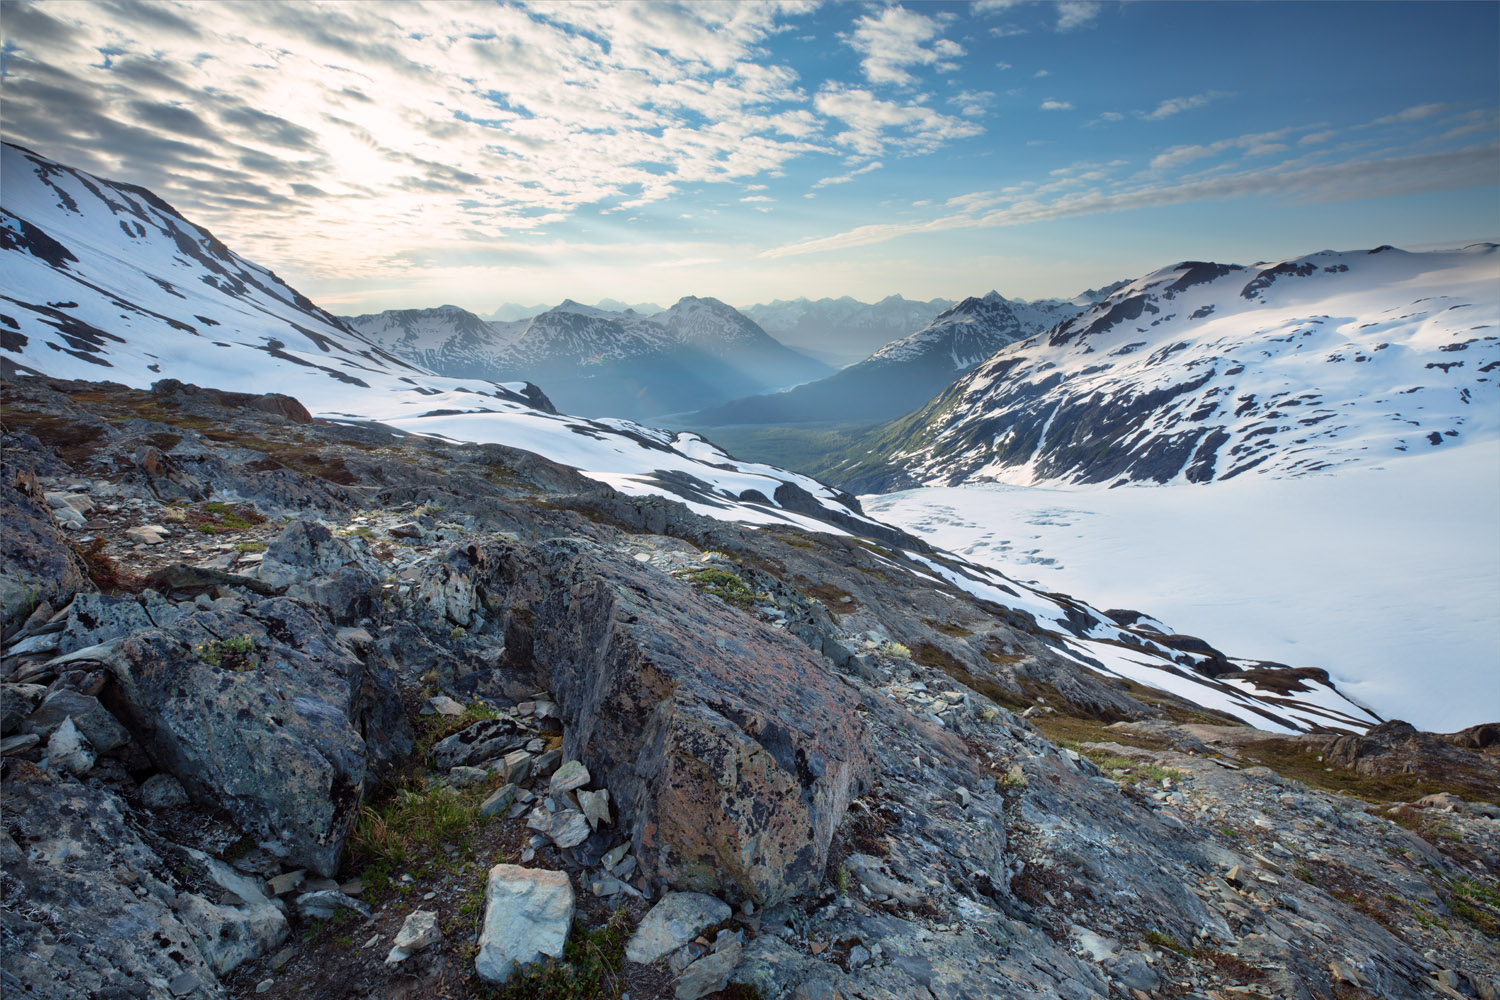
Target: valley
337, 662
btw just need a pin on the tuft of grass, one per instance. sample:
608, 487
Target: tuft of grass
724, 585
249, 546
1167, 943
235, 653
895, 649
588, 970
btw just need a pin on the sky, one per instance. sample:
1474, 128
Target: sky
398, 155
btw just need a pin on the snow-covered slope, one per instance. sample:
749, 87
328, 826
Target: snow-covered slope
106, 281
597, 361
1204, 371
904, 373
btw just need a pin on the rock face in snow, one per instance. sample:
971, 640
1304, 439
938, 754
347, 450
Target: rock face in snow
598, 362
1204, 371
903, 374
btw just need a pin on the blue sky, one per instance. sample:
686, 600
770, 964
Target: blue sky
385, 155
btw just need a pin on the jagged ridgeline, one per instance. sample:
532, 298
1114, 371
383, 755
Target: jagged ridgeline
396, 684
1202, 372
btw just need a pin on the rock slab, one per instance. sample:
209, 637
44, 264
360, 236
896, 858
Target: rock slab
527, 914
672, 923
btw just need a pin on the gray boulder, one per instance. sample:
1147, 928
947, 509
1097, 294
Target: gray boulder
98, 920
103, 730
96, 618
527, 914
273, 735
36, 562
672, 923
484, 741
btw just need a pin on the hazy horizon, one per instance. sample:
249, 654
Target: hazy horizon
404, 156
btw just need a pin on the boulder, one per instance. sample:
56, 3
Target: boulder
103, 730
725, 743
162, 791
37, 563
272, 736
527, 914
306, 550
96, 618
96, 903
677, 919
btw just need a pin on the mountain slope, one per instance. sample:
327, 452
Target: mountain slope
902, 374
599, 362
1203, 371
120, 273
105, 280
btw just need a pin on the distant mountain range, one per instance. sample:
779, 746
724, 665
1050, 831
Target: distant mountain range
599, 362
512, 311
844, 331
1204, 371
904, 374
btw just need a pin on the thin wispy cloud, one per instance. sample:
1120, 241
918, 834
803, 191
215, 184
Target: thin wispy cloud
1053, 105
1413, 114
1177, 105
1351, 181
846, 178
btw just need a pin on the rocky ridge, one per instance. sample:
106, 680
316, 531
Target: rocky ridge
285, 699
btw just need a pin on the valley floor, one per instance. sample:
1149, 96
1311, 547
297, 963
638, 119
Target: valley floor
1388, 577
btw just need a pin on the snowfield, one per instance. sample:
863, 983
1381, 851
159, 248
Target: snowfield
1387, 576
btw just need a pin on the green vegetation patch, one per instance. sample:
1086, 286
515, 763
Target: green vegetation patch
724, 585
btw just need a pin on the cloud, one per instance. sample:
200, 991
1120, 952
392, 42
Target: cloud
1041, 73
1003, 66
1074, 14
1253, 144
1313, 138
1177, 105
875, 125
1053, 105
1350, 181
1107, 116
982, 7
490, 121
1007, 31
1413, 114
896, 38
756, 198
972, 104
846, 178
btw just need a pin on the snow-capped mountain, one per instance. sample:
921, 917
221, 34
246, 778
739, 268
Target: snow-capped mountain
596, 361
903, 374
1204, 371
844, 331
445, 339
106, 281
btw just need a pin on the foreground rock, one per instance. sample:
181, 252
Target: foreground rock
527, 914
672, 923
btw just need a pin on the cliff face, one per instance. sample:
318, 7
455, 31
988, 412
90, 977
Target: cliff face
276, 688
